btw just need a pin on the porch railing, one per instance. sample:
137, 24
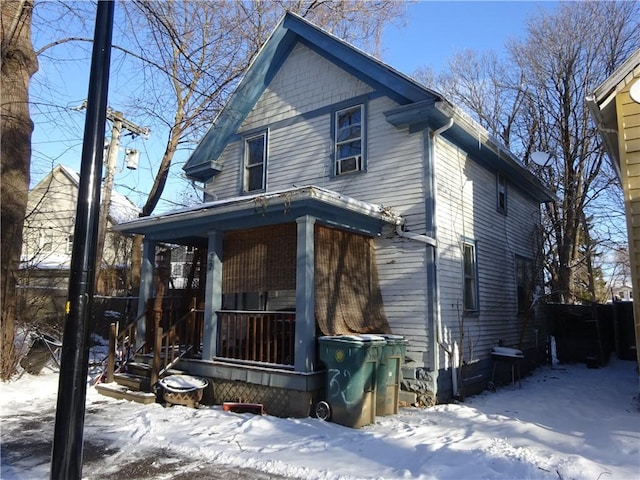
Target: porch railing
257, 336
182, 338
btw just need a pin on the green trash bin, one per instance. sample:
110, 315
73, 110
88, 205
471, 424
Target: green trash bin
352, 363
390, 374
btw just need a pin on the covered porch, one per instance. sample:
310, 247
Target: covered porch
281, 269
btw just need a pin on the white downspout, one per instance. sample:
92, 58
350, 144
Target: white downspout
443, 128
453, 350
415, 236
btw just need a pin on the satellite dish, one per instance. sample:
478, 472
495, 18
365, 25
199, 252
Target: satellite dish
634, 91
540, 158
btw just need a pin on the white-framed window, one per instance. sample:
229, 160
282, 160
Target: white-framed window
501, 191
349, 140
255, 163
470, 269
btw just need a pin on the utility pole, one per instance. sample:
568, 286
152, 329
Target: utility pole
66, 455
119, 123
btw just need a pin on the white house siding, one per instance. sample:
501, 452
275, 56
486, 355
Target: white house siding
466, 208
51, 209
305, 82
300, 153
403, 280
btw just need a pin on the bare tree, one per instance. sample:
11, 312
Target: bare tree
535, 101
194, 53
190, 56
18, 65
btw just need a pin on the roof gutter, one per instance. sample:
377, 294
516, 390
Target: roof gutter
601, 125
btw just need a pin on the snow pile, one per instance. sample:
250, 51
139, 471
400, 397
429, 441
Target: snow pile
566, 422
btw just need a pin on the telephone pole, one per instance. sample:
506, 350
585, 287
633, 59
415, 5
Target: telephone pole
66, 455
119, 123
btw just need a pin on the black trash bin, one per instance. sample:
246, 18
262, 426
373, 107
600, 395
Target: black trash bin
352, 363
42, 350
390, 374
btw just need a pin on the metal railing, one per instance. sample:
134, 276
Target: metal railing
257, 336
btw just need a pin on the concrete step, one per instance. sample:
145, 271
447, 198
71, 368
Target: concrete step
114, 390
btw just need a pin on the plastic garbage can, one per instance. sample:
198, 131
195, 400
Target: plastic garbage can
42, 350
390, 374
352, 363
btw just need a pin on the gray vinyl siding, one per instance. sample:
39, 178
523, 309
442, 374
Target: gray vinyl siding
467, 209
300, 153
305, 82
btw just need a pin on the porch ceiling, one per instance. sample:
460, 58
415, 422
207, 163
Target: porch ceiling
191, 226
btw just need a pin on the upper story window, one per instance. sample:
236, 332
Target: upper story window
470, 288
70, 244
255, 163
349, 140
501, 189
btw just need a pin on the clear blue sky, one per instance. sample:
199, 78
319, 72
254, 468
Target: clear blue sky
433, 32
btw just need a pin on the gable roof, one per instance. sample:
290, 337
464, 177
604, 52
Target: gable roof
121, 210
603, 108
420, 107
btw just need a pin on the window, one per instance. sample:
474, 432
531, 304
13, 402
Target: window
524, 283
70, 244
176, 270
470, 292
46, 240
501, 188
349, 131
255, 163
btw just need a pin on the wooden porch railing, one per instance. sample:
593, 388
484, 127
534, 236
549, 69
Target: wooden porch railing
183, 337
122, 347
257, 336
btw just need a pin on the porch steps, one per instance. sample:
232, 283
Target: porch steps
135, 383
115, 390
139, 369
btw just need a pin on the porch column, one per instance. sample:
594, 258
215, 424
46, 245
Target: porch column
146, 286
212, 295
305, 299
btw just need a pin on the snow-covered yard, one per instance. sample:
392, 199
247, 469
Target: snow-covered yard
566, 422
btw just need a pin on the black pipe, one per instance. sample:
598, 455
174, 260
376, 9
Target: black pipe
66, 456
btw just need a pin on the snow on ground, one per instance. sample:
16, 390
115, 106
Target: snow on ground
566, 422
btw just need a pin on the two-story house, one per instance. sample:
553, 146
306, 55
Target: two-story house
348, 198
48, 237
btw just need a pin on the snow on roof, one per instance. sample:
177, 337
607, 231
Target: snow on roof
122, 209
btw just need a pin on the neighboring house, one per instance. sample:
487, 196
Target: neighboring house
622, 293
351, 199
615, 106
49, 228
183, 267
